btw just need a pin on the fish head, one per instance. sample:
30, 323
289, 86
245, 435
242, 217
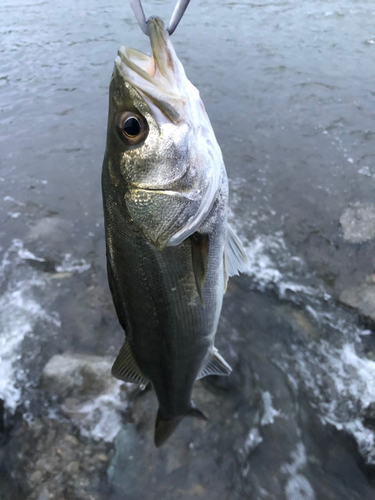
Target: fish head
161, 148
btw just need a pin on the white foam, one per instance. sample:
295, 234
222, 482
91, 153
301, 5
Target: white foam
291, 286
14, 215
271, 264
25, 254
354, 379
13, 200
297, 486
365, 170
253, 440
262, 267
101, 416
19, 313
71, 265
269, 411
341, 383
92, 398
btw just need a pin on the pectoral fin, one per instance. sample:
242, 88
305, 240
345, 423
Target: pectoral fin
199, 253
235, 259
216, 365
125, 367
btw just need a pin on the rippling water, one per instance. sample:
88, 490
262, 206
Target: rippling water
289, 88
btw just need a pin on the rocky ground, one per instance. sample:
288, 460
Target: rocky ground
358, 224
91, 437
80, 434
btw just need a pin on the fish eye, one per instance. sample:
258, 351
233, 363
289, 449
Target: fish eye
131, 128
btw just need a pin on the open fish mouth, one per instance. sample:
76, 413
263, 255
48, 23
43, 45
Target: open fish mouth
160, 78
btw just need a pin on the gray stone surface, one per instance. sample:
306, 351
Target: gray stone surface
70, 374
262, 439
358, 222
369, 416
51, 462
361, 298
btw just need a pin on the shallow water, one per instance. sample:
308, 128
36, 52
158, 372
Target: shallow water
289, 88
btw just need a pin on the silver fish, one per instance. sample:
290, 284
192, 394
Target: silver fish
169, 247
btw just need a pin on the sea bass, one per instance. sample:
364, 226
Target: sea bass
169, 247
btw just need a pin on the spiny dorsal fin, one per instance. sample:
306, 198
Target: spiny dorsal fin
199, 254
125, 367
235, 258
216, 365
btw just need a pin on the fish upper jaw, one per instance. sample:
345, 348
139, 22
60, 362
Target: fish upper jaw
161, 78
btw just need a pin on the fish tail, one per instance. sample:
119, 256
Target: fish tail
164, 427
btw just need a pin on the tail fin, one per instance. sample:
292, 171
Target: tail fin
164, 427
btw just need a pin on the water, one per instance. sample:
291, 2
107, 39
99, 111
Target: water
289, 89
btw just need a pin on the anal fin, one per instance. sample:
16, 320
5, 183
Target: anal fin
125, 367
216, 365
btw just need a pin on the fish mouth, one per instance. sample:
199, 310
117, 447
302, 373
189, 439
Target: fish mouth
159, 78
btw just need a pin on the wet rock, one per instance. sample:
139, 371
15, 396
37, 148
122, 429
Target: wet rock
358, 222
89, 395
361, 298
263, 439
69, 375
127, 466
2, 415
369, 416
302, 323
51, 462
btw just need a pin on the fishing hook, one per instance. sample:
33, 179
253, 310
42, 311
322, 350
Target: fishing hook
176, 17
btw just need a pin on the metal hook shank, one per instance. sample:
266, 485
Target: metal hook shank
139, 15
178, 12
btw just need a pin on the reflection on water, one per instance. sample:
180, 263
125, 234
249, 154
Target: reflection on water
289, 89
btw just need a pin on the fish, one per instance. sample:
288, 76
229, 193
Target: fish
170, 249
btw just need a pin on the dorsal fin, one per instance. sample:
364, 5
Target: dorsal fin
235, 259
216, 365
125, 367
199, 254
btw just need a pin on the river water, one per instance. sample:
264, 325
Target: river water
289, 88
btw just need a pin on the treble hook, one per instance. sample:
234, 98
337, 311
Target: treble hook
176, 17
